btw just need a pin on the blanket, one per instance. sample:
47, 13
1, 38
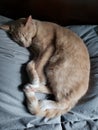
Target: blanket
13, 112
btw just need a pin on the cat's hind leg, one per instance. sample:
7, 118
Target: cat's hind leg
55, 108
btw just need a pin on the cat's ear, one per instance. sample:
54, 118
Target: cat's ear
5, 27
28, 21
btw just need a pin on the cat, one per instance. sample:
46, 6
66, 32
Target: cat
61, 65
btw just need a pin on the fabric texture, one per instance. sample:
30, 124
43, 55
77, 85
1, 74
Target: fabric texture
13, 111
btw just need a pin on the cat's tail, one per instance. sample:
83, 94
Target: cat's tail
51, 109
56, 113
51, 113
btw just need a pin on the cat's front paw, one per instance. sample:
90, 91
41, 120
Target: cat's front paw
29, 88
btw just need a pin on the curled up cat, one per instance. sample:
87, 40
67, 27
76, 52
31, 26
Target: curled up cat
61, 65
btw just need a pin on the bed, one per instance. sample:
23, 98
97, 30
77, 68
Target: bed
13, 60
13, 111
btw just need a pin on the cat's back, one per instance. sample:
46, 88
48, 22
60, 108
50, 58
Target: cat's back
65, 37
66, 42
71, 43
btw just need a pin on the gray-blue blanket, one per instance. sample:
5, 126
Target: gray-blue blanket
13, 112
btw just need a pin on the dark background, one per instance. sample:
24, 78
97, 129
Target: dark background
59, 11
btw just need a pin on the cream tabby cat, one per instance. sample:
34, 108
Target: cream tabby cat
61, 62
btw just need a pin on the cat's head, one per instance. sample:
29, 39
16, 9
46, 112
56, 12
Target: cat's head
22, 30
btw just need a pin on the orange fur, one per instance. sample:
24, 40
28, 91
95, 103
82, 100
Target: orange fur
61, 60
